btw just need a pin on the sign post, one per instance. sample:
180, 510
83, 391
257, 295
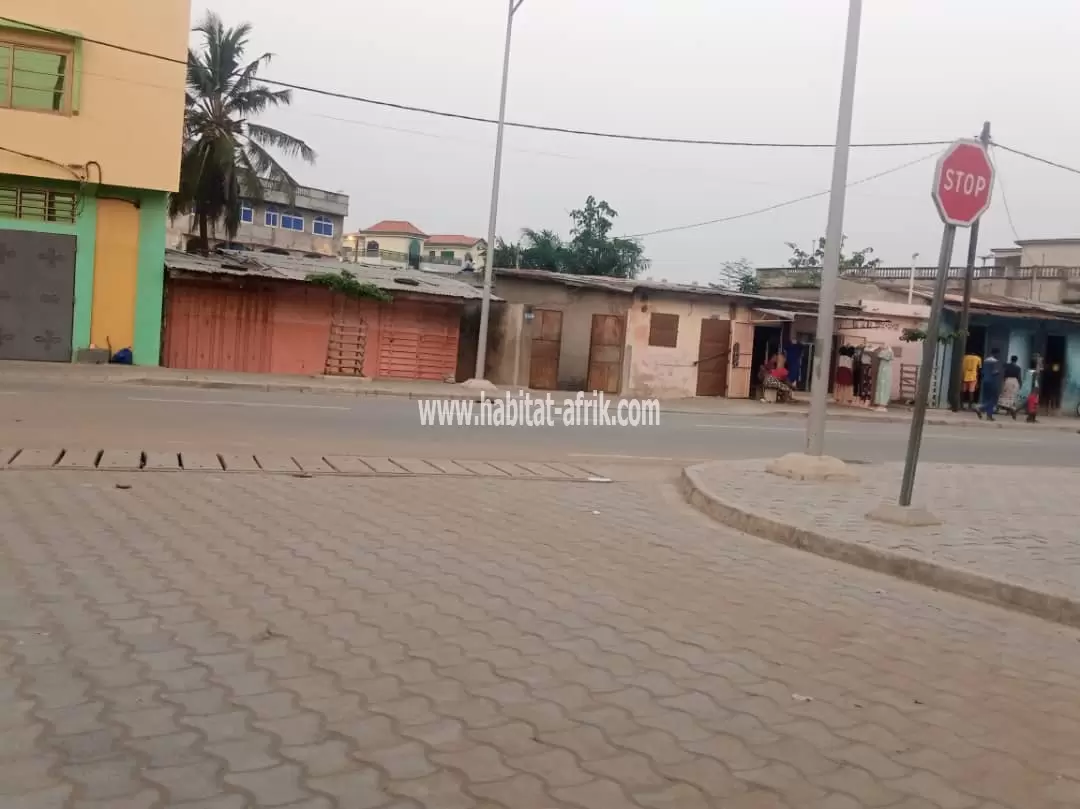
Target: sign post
963, 180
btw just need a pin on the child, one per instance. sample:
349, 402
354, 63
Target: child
1032, 406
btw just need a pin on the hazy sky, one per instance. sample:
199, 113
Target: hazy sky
718, 69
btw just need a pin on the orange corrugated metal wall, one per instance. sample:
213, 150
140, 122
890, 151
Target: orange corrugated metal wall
285, 329
217, 328
301, 329
418, 340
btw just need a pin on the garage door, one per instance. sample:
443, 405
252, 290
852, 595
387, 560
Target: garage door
37, 295
419, 340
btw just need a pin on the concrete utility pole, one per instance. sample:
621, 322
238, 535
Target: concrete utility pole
489, 265
960, 343
834, 237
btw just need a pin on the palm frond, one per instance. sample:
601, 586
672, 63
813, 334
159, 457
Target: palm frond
283, 142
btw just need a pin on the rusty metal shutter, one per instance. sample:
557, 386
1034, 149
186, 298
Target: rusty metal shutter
419, 340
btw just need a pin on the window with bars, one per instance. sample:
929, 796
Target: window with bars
34, 78
663, 330
37, 204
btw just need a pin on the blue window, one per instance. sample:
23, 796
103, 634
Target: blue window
270, 218
292, 222
247, 213
322, 226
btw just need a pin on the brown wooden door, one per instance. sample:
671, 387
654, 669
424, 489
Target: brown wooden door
740, 369
714, 356
544, 351
606, 353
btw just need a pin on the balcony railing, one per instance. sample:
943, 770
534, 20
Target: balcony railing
393, 257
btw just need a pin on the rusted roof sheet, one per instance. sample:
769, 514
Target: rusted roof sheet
292, 268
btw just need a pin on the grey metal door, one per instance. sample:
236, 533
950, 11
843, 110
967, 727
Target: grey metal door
37, 295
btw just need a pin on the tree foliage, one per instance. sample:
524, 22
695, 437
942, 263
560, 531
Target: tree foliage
739, 275
591, 249
225, 154
348, 284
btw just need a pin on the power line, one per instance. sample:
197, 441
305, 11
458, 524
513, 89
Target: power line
786, 203
1005, 200
518, 125
1036, 158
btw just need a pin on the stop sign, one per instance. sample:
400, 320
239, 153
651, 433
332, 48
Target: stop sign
963, 180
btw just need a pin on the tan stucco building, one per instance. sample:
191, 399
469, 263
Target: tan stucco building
91, 110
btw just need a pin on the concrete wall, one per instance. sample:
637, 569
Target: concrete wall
578, 306
124, 111
1052, 254
508, 356
662, 372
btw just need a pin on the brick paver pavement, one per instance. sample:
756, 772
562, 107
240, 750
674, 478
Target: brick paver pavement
1016, 524
217, 642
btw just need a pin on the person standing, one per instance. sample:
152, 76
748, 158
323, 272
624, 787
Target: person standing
970, 379
992, 374
1010, 387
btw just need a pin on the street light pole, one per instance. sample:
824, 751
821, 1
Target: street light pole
489, 264
834, 236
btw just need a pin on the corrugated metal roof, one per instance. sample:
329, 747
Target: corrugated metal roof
629, 286
1000, 304
293, 268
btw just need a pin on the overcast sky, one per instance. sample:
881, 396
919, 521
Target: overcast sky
738, 69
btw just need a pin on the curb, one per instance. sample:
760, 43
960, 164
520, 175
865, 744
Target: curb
930, 421
277, 387
1059, 609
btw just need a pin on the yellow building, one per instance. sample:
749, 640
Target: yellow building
90, 149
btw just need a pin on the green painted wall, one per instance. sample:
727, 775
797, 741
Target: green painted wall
150, 284
85, 230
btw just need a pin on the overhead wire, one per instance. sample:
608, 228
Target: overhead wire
516, 124
1000, 179
784, 204
1036, 158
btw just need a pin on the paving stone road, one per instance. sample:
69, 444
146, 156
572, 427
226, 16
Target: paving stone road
1011, 524
219, 642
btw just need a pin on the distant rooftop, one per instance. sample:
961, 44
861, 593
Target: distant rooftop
396, 227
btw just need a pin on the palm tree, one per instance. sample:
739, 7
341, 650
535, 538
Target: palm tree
225, 154
544, 250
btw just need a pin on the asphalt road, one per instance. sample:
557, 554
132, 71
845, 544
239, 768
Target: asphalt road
48, 414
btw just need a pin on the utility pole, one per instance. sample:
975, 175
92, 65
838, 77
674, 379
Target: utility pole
960, 342
834, 237
493, 215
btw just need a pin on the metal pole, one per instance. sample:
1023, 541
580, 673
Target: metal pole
834, 237
960, 344
489, 265
911, 279
926, 371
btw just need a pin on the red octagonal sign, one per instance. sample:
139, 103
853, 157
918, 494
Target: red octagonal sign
963, 181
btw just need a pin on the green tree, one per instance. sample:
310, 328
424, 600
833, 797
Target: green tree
225, 154
816, 257
542, 250
739, 275
593, 251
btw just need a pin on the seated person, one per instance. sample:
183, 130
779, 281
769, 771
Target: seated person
775, 377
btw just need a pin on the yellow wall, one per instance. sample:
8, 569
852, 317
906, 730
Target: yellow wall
395, 244
116, 267
130, 107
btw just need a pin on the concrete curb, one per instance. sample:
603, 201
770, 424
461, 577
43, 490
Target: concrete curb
299, 387
866, 418
1059, 609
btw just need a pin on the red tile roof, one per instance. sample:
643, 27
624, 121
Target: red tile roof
454, 239
396, 226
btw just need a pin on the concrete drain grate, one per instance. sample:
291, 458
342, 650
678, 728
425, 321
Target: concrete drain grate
128, 460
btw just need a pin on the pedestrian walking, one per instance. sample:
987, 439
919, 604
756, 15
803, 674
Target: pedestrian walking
1010, 387
972, 364
992, 374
